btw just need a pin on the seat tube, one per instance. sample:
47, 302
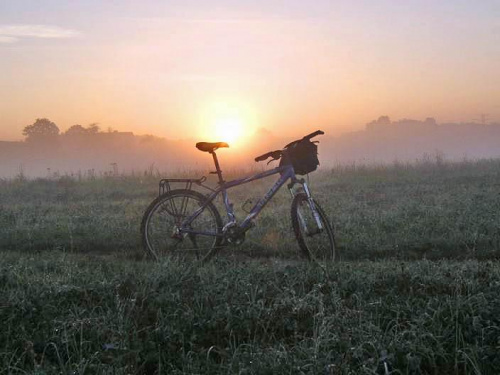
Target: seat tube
227, 204
217, 168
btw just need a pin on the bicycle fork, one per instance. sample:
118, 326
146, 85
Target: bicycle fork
315, 214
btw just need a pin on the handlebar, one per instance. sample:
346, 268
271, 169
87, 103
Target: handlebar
274, 154
314, 134
277, 154
306, 138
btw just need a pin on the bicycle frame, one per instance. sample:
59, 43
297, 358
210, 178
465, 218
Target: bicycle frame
287, 172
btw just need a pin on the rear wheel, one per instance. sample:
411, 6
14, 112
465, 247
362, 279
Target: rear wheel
317, 244
163, 219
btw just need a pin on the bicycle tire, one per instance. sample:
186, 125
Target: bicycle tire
159, 242
324, 248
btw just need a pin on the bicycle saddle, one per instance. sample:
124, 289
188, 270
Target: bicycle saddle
210, 147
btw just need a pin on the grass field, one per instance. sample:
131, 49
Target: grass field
419, 280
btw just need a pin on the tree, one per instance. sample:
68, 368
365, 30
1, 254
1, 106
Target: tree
79, 130
41, 130
93, 128
384, 120
76, 130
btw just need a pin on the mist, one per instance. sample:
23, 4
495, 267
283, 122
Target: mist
91, 153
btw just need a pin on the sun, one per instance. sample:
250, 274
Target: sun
229, 129
229, 121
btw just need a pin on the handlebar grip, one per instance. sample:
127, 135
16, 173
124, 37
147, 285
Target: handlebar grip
274, 154
312, 135
263, 157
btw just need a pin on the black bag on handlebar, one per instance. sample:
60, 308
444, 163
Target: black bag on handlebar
303, 155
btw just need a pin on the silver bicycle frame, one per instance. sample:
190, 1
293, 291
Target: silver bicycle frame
287, 172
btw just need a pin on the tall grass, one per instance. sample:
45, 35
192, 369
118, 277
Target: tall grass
85, 315
403, 211
78, 297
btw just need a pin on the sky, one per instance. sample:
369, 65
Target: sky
200, 68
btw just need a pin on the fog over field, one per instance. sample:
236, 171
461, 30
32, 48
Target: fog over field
90, 151
123, 252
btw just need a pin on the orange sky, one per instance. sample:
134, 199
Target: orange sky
181, 69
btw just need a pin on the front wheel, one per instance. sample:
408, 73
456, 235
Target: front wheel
163, 232
317, 244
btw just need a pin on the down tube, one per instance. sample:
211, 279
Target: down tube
289, 173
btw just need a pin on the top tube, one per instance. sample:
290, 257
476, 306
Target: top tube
284, 170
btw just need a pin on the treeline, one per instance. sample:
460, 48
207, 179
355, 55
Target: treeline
80, 149
382, 141
45, 130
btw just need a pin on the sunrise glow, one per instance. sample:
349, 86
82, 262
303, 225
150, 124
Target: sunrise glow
226, 120
229, 129
190, 69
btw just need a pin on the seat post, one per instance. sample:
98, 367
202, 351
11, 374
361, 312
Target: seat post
217, 167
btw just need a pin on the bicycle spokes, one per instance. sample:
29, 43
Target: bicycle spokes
312, 229
166, 232
309, 219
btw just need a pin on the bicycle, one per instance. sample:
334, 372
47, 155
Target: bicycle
185, 223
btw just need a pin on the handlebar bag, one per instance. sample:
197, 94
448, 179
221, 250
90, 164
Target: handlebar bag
302, 155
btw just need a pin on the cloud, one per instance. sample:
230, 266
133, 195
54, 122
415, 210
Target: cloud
8, 39
223, 20
201, 78
12, 33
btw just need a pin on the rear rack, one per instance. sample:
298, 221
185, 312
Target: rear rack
164, 186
